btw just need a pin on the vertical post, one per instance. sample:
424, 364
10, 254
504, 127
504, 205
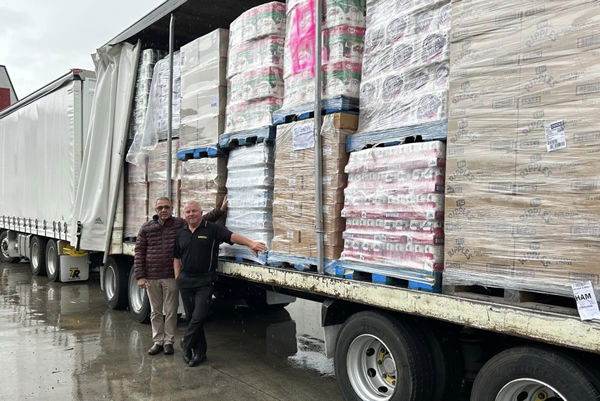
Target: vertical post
317, 135
170, 105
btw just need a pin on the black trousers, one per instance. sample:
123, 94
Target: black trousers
196, 302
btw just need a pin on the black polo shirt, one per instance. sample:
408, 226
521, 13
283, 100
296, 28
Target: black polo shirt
199, 253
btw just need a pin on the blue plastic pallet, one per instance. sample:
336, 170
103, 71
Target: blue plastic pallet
404, 277
297, 262
306, 111
396, 136
198, 153
248, 137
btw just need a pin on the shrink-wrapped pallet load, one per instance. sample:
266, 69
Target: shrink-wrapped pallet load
394, 207
342, 51
148, 59
405, 65
204, 181
203, 89
255, 67
157, 121
136, 200
294, 199
157, 177
250, 194
523, 185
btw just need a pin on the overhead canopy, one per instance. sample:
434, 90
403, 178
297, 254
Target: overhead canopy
193, 18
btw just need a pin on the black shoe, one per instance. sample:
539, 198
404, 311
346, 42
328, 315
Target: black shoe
155, 349
187, 353
197, 360
169, 349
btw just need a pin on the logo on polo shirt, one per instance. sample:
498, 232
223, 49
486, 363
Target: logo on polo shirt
202, 237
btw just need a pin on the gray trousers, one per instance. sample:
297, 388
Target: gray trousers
164, 298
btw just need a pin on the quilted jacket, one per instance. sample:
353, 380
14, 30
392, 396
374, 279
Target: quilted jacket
155, 243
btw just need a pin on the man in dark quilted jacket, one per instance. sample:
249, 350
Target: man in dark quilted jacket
154, 270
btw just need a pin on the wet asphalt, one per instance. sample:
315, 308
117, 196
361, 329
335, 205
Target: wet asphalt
61, 342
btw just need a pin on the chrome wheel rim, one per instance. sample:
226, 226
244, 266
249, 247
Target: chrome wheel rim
526, 389
35, 255
4, 247
136, 295
371, 368
52, 262
110, 282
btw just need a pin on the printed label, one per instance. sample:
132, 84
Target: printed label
555, 136
290, 234
213, 101
303, 136
292, 182
586, 300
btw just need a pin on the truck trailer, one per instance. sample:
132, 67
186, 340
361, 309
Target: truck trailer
63, 153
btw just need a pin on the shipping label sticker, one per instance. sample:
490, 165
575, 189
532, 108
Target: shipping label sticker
292, 182
214, 101
555, 136
303, 136
290, 234
586, 300
327, 151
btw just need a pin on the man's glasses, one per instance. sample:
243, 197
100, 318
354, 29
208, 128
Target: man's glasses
159, 208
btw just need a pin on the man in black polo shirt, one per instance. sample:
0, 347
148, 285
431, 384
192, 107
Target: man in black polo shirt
195, 261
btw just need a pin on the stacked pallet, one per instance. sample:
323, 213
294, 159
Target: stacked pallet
394, 208
136, 200
406, 64
203, 90
255, 67
204, 181
143, 82
294, 207
342, 51
157, 177
156, 124
250, 193
522, 204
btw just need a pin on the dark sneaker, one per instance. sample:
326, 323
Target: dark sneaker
155, 349
169, 349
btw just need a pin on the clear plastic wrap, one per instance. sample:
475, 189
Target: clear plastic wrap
136, 200
203, 89
522, 170
157, 177
148, 59
266, 19
250, 194
294, 207
342, 51
255, 67
203, 181
405, 65
394, 206
156, 119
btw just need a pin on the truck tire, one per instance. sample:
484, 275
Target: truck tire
380, 358
4, 257
38, 256
139, 305
447, 363
531, 373
116, 277
52, 261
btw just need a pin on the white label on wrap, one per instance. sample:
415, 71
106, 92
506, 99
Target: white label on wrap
291, 209
292, 182
327, 152
213, 101
586, 300
293, 155
290, 234
555, 136
327, 180
304, 136
326, 209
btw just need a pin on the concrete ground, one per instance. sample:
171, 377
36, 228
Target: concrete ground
61, 342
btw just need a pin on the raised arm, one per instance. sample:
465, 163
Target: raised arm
256, 247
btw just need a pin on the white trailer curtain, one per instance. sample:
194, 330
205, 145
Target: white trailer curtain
105, 145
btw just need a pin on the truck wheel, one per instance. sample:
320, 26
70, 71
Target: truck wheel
380, 358
139, 305
52, 261
116, 275
529, 374
4, 257
447, 364
38, 257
